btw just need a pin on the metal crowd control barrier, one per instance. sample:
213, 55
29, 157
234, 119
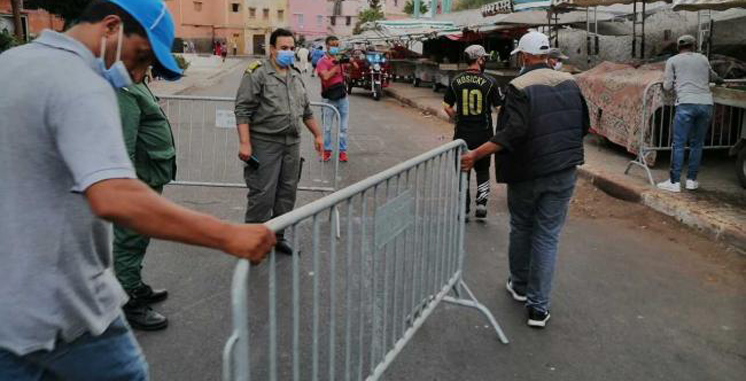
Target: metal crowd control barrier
656, 133
206, 143
344, 308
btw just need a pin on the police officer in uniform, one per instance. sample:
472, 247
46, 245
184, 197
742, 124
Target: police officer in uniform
469, 100
271, 105
150, 145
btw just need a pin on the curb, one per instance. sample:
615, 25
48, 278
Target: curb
616, 186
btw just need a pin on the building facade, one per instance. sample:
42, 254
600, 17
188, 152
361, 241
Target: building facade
343, 14
202, 23
33, 21
262, 17
308, 18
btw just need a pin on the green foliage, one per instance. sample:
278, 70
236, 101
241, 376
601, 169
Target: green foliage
373, 13
182, 62
69, 10
470, 4
409, 7
7, 41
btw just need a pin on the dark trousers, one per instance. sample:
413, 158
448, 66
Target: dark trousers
473, 140
129, 253
274, 184
538, 209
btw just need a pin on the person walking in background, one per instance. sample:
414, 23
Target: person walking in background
271, 105
150, 146
469, 101
303, 59
223, 50
333, 92
60, 301
539, 144
234, 46
688, 74
316, 55
555, 59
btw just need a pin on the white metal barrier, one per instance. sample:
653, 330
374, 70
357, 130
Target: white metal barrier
206, 143
343, 308
656, 133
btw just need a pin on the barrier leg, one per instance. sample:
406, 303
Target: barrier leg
640, 162
472, 302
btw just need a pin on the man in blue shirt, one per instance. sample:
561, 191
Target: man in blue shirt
64, 175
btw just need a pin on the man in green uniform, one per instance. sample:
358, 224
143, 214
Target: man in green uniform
271, 106
150, 145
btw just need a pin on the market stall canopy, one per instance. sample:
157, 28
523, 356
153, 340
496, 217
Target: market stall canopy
698, 5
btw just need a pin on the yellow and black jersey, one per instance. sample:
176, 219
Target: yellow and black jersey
474, 94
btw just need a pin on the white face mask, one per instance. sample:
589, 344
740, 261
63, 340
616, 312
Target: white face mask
557, 66
117, 75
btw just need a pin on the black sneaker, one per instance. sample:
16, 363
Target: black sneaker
143, 317
537, 319
516, 296
481, 211
147, 295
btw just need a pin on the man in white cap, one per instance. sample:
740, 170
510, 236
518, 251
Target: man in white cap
64, 172
689, 74
469, 100
539, 144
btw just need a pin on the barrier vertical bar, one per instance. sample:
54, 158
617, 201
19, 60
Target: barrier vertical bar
415, 251
332, 293
363, 247
385, 249
395, 293
296, 305
373, 314
348, 287
272, 318
315, 344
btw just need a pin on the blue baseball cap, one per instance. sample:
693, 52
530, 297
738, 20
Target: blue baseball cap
155, 19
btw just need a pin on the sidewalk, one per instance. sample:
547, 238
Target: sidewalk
718, 208
203, 71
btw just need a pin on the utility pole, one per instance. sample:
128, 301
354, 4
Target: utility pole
17, 22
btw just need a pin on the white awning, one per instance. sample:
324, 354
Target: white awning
697, 5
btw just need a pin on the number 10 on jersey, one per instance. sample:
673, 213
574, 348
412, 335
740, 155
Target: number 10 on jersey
472, 102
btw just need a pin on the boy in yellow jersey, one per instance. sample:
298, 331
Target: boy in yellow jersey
469, 100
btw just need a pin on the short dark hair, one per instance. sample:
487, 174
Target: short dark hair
280, 33
97, 10
330, 39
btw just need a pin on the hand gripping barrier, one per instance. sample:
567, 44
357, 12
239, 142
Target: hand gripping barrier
343, 307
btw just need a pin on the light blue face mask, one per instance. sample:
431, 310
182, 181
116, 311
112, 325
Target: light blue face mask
333, 50
285, 58
117, 75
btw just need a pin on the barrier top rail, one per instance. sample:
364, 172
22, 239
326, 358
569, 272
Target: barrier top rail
325, 203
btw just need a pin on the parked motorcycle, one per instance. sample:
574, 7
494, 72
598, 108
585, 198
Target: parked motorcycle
371, 72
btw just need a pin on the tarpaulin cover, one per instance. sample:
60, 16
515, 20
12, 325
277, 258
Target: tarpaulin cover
614, 93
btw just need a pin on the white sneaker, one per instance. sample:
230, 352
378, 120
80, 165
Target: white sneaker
692, 184
669, 186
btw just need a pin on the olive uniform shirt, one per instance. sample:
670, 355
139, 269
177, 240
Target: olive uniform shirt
147, 135
273, 105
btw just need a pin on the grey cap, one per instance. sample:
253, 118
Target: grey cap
686, 39
475, 52
556, 53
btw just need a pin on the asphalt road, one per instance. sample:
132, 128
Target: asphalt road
635, 295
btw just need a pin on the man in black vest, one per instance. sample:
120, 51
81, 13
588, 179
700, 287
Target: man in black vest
538, 145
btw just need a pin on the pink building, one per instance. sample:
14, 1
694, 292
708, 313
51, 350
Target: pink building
203, 22
308, 18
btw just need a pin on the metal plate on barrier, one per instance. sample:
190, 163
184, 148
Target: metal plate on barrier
225, 119
393, 218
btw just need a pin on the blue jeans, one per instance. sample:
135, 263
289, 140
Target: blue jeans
343, 105
690, 123
112, 356
538, 209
